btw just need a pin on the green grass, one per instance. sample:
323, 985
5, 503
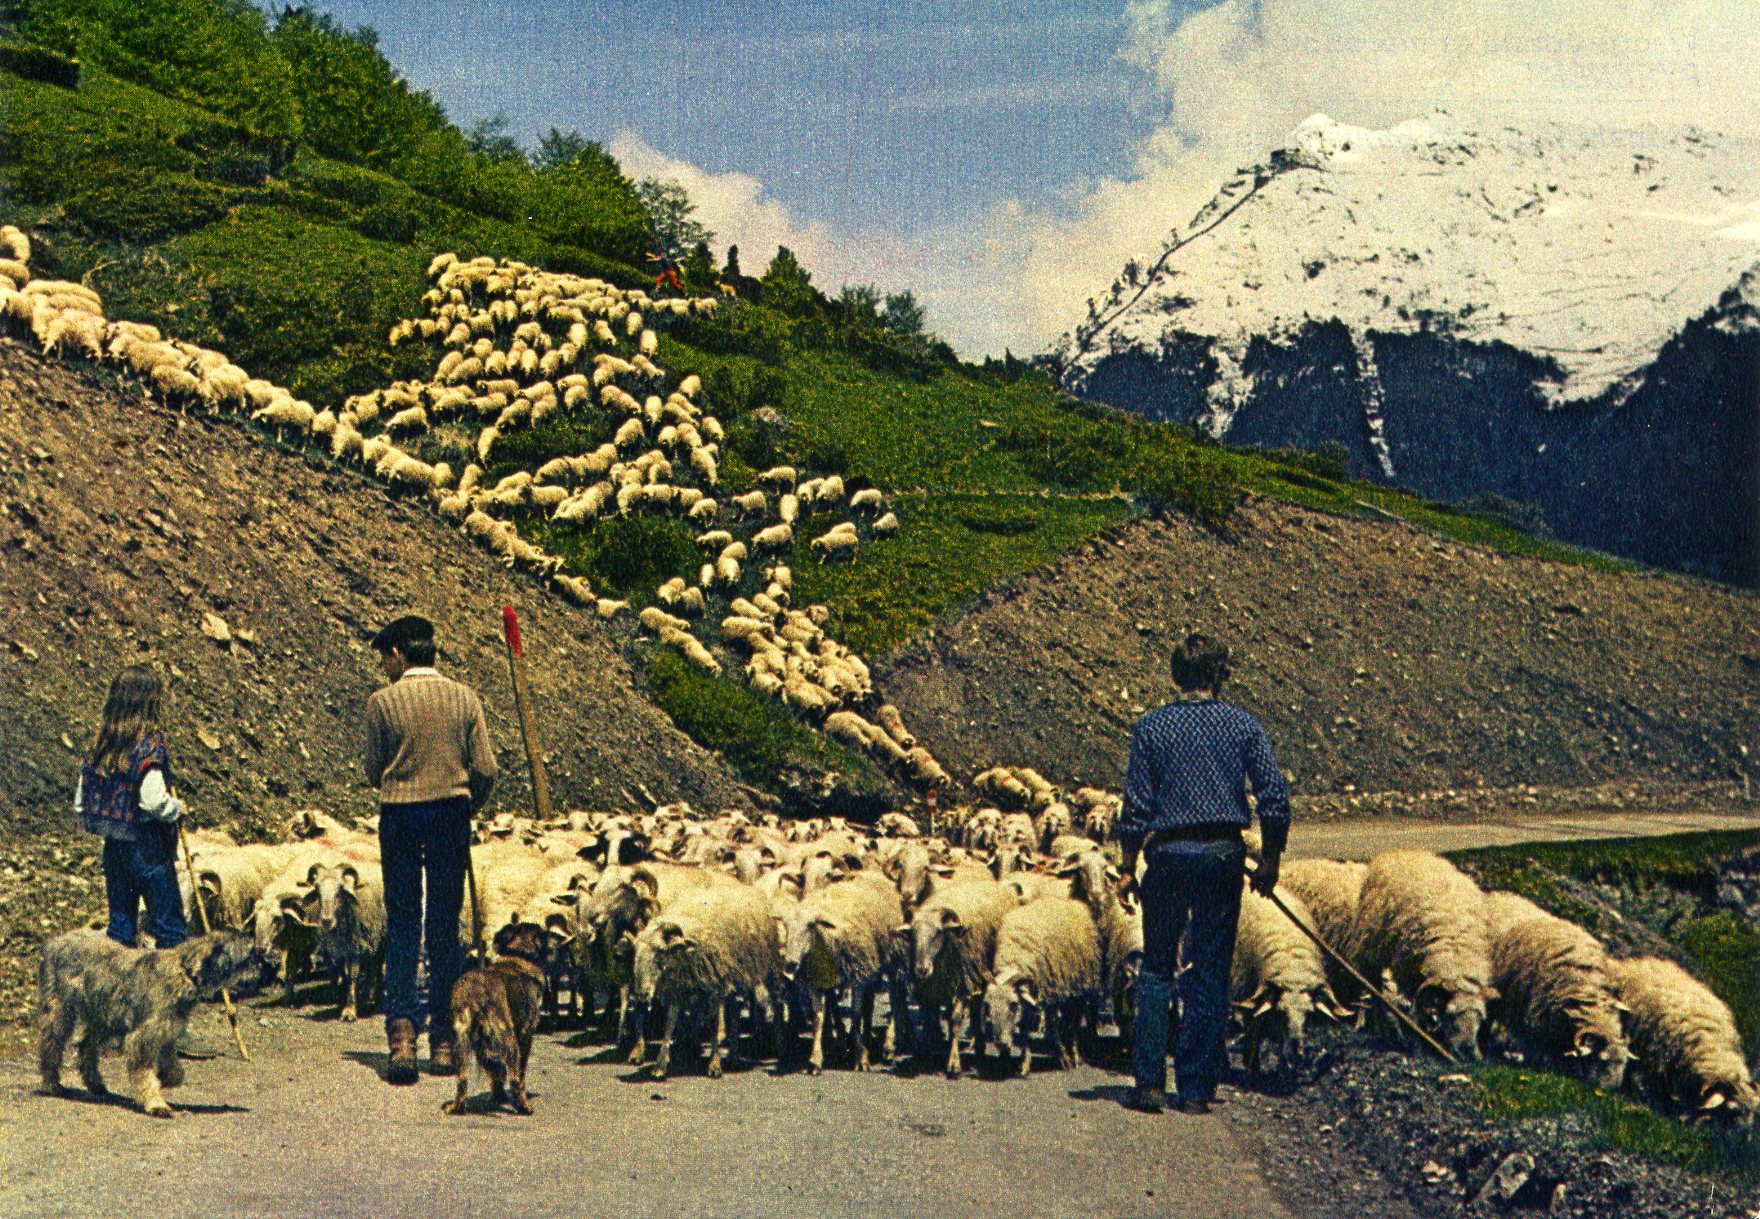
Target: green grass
1512, 1094
948, 549
758, 736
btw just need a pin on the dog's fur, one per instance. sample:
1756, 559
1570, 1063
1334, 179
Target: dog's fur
495, 1012
138, 997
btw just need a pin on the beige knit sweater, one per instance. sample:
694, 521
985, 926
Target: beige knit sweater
427, 740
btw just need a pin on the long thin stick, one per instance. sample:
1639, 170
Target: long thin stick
516, 664
1398, 1012
195, 893
470, 871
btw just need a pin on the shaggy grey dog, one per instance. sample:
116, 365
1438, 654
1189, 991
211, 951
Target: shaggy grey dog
140, 998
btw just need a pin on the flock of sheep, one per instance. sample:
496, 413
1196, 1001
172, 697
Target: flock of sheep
518, 342
1005, 925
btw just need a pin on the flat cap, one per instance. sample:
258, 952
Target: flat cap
401, 632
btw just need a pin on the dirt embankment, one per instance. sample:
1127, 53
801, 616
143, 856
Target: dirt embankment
1380, 658
122, 525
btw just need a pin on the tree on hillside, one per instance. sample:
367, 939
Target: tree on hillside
903, 313
670, 206
489, 138
699, 267
861, 303
787, 286
731, 271
355, 105
561, 148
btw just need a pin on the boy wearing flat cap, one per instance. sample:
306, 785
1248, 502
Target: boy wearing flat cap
429, 754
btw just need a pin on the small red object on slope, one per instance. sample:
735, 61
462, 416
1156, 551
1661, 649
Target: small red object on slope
510, 626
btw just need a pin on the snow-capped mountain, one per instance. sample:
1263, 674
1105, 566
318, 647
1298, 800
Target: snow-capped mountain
1560, 316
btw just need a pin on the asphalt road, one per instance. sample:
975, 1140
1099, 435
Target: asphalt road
308, 1129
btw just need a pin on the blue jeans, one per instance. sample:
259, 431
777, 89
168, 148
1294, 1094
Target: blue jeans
1191, 893
144, 868
428, 841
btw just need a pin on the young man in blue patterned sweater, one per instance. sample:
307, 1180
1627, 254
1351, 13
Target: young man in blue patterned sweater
1185, 805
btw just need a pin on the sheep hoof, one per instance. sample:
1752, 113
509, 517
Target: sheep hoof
159, 1110
814, 1068
348, 1015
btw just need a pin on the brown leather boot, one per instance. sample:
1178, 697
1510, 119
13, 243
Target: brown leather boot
442, 1053
401, 1066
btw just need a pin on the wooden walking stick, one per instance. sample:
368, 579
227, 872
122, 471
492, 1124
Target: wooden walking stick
516, 664
1398, 1012
195, 895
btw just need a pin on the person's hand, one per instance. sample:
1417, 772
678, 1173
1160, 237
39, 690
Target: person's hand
1127, 887
1265, 876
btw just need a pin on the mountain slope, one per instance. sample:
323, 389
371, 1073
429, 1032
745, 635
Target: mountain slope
1376, 654
1553, 316
122, 524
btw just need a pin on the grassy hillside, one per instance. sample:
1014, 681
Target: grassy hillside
273, 189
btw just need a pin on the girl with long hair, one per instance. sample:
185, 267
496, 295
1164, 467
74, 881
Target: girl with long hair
124, 796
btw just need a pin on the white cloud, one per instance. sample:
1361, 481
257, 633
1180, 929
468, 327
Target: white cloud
733, 206
1239, 77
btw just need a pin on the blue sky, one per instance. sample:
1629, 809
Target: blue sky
856, 114
1005, 160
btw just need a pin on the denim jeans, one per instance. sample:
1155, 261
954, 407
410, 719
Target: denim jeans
144, 868
429, 842
1191, 905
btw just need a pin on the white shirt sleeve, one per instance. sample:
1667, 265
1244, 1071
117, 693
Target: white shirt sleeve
157, 801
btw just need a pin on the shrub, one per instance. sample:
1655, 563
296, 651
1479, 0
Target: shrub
143, 207
390, 222
39, 63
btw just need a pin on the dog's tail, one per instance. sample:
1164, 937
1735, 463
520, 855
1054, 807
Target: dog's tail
489, 1035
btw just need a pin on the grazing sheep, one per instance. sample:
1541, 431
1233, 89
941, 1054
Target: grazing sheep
1277, 978
1555, 995
868, 498
1689, 1053
953, 941
1421, 922
1047, 967
714, 947
1330, 889
844, 937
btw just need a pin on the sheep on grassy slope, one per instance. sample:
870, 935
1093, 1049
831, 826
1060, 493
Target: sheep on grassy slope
953, 941
1047, 969
711, 947
1689, 1053
1555, 995
1277, 978
844, 938
1421, 923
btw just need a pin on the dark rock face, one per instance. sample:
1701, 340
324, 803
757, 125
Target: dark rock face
1669, 476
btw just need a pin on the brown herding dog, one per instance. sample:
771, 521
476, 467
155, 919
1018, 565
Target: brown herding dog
140, 997
495, 1012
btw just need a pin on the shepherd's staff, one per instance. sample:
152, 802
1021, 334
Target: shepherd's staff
1329, 950
195, 895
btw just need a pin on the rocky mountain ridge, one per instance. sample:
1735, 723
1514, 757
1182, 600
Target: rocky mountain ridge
1560, 318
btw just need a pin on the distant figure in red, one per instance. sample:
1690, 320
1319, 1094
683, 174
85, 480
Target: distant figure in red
668, 272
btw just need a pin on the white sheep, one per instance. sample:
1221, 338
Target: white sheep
1421, 923
953, 942
1330, 890
1554, 992
843, 937
886, 526
708, 947
1277, 978
1047, 967
1689, 1051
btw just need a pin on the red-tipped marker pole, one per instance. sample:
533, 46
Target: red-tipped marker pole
516, 664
